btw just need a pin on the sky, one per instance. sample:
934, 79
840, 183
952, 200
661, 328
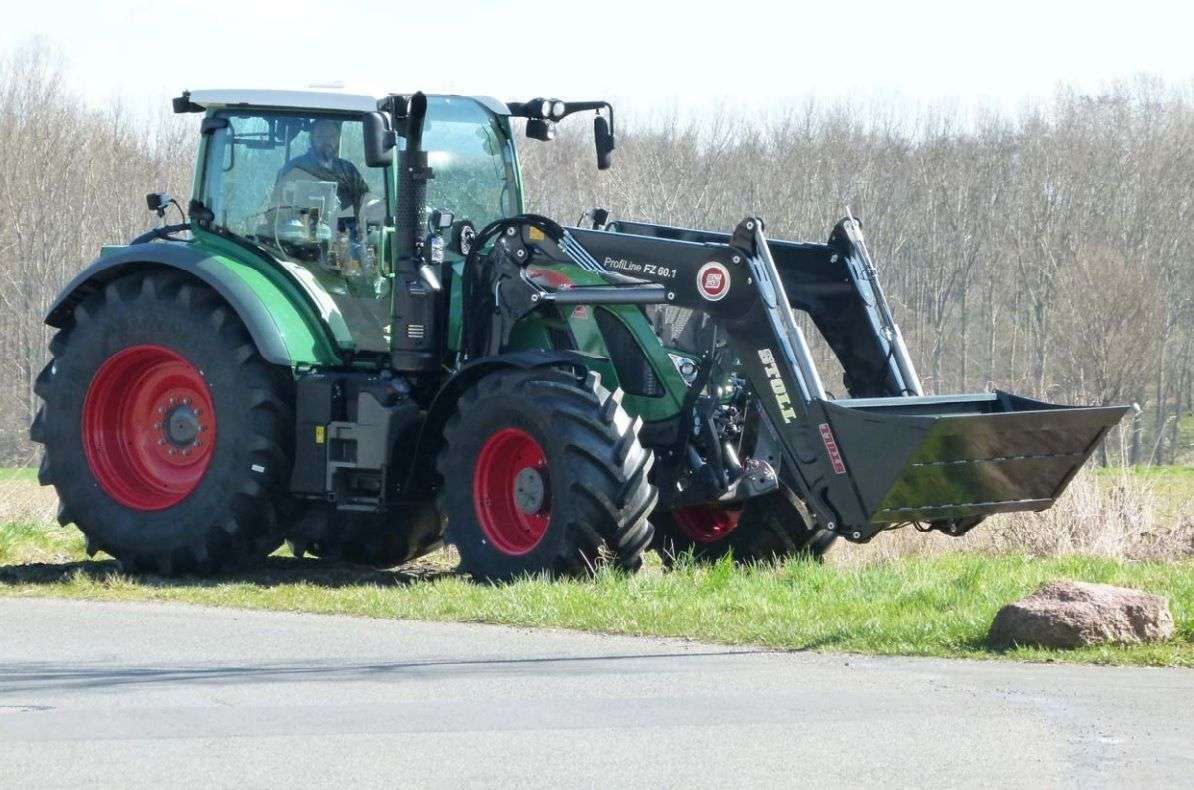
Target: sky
686, 56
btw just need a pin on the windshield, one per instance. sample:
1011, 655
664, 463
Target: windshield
472, 158
297, 186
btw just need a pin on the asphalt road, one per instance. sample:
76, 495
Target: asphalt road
151, 696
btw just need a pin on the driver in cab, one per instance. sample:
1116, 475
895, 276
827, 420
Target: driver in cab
323, 163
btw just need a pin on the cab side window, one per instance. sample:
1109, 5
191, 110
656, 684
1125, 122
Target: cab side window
296, 185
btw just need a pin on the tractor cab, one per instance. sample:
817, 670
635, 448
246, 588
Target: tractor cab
295, 184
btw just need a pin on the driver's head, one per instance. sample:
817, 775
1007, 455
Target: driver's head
325, 140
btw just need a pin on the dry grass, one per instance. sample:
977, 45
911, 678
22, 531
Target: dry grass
1115, 513
22, 499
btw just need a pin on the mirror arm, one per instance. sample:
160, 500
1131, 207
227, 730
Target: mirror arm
542, 127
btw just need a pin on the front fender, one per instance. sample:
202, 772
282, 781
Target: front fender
420, 476
284, 327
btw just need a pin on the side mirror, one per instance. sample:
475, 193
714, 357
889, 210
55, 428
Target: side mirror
603, 137
379, 140
539, 129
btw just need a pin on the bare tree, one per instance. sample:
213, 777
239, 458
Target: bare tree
1050, 252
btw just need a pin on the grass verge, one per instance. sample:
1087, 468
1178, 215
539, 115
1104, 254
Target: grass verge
18, 474
928, 606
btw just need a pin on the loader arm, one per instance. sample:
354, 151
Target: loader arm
837, 285
738, 284
861, 465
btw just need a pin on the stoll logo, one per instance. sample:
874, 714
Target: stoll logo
776, 379
713, 281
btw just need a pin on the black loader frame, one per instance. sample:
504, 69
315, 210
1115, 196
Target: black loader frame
890, 456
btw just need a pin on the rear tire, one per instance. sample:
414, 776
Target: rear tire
543, 473
166, 435
768, 528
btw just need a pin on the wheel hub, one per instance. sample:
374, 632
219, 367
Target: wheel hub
182, 426
149, 427
510, 491
529, 491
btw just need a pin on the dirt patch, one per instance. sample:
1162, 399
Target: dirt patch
274, 571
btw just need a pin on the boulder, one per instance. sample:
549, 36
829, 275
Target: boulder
1076, 614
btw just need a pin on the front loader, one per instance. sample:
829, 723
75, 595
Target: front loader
356, 341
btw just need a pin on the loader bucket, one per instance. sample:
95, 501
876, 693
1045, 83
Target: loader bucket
935, 459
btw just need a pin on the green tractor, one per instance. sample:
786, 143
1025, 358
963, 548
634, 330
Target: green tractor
357, 342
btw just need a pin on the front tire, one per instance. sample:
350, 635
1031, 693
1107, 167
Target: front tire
166, 435
543, 473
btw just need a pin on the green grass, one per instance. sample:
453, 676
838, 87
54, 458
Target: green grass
13, 474
23, 542
938, 606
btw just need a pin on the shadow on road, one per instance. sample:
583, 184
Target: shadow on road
25, 676
272, 572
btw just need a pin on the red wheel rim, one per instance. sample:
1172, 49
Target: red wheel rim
148, 427
511, 492
706, 523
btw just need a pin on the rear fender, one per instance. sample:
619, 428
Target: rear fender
286, 330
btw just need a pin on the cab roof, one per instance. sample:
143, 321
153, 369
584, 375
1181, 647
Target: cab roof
307, 100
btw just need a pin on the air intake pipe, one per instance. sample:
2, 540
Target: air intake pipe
415, 328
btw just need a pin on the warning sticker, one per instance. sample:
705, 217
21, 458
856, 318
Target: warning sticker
835, 455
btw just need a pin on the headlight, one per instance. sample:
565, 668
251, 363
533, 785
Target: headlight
557, 108
545, 109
